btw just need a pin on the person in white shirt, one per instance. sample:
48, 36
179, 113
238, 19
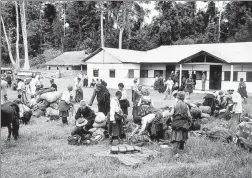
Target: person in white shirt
116, 118
237, 108
33, 85
4, 86
80, 75
124, 103
22, 91
169, 84
64, 104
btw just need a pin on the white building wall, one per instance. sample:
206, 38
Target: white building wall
121, 73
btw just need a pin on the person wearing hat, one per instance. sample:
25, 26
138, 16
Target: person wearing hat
4, 85
116, 118
103, 98
53, 85
78, 90
22, 90
86, 112
237, 108
181, 121
81, 128
64, 104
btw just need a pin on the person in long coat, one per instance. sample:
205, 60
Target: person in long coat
242, 90
181, 121
103, 98
116, 119
189, 86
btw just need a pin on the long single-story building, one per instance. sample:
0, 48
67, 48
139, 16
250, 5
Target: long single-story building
71, 60
224, 64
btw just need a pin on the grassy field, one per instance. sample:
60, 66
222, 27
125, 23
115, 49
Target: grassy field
43, 151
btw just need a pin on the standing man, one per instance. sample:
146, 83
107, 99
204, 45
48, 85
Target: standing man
134, 89
4, 86
22, 91
103, 98
9, 79
194, 79
203, 81
237, 108
85, 81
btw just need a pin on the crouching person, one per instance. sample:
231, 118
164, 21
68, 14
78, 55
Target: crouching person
181, 121
116, 118
86, 112
151, 123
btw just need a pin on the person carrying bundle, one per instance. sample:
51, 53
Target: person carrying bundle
64, 104
181, 121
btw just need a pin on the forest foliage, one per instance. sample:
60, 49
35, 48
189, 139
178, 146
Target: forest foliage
177, 23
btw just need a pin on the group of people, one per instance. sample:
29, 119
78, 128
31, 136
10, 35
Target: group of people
172, 84
147, 118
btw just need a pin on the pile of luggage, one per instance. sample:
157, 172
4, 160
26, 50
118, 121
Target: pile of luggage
244, 135
47, 104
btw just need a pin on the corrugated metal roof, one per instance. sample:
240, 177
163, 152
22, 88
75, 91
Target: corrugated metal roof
71, 58
229, 52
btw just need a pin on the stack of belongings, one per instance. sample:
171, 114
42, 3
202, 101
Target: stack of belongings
100, 120
244, 135
25, 113
196, 117
220, 132
47, 104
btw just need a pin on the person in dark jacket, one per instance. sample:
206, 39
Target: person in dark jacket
103, 98
88, 114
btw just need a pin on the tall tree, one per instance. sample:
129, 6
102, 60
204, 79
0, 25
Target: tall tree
17, 34
24, 32
8, 44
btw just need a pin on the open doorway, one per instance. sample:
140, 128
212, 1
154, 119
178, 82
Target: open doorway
169, 69
215, 77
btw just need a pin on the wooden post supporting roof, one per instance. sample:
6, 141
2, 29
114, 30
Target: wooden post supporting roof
232, 76
180, 74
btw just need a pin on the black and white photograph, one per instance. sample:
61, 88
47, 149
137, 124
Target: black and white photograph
126, 89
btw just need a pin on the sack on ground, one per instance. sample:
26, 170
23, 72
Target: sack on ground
204, 115
195, 113
74, 140
51, 112
38, 113
51, 96
136, 139
205, 109
244, 130
54, 106
219, 133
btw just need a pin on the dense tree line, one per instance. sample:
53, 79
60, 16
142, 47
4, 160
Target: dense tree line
123, 25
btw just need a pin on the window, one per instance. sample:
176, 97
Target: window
199, 75
131, 73
248, 76
158, 73
112, 73
235, 76
143, 73
95, 73
227, 76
